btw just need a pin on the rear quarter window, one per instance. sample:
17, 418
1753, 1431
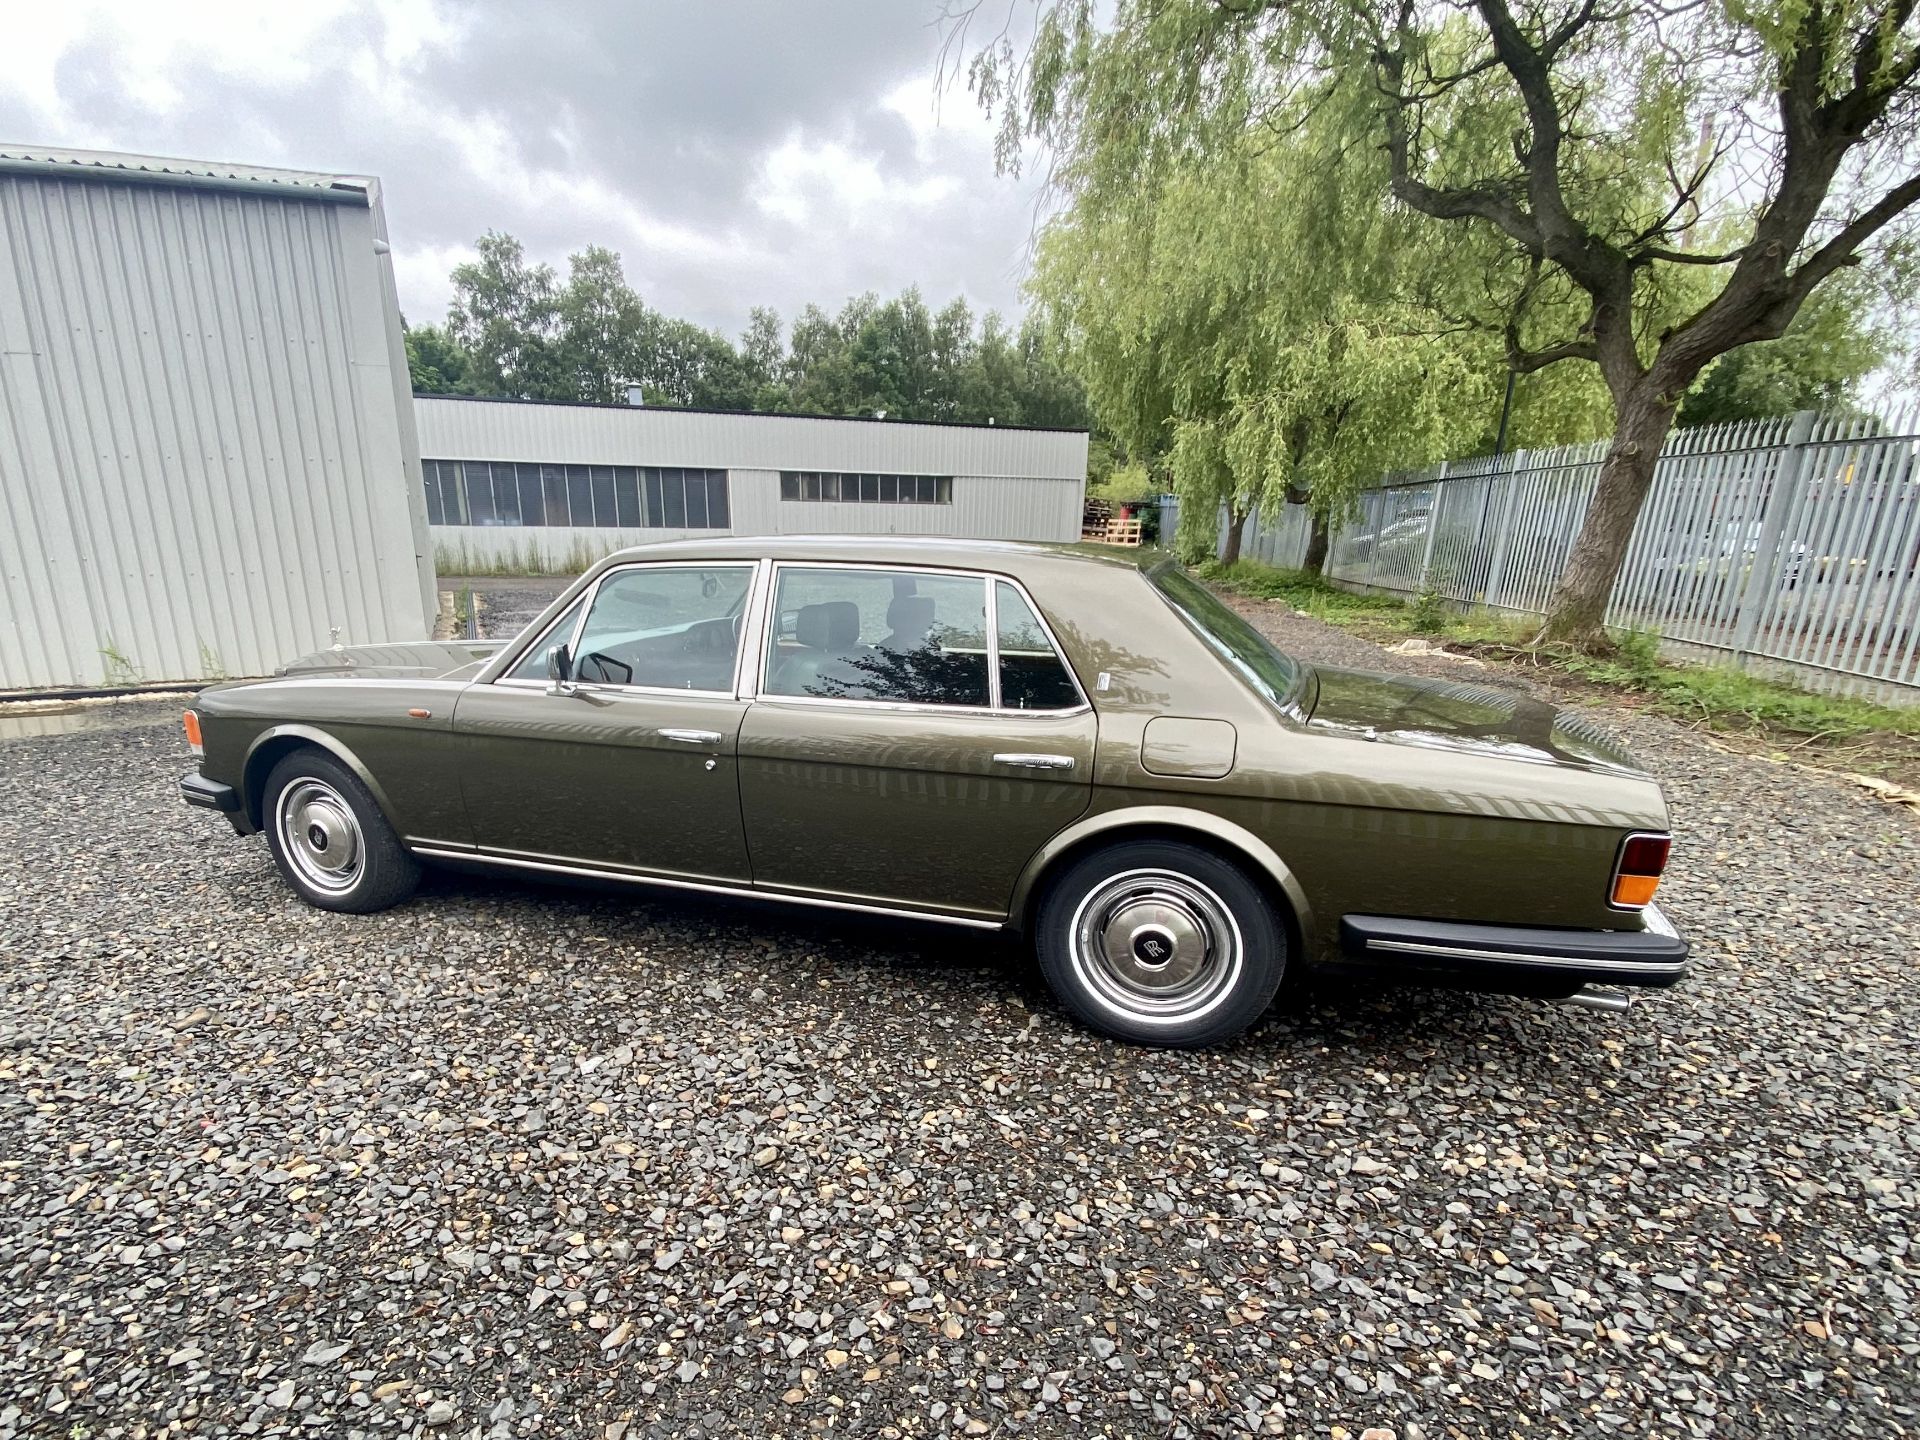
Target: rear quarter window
1244, 649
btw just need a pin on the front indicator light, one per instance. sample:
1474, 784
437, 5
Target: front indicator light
190, 722
1643, 860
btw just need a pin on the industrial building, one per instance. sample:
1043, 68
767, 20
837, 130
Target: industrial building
555, 486
209, 462
207, 454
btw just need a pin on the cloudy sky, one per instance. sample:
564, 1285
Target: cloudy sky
751, 152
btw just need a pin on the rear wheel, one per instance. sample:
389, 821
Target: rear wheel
329, 839
1160, 943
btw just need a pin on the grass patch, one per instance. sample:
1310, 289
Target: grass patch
1309, 594
1718, 696
528, 557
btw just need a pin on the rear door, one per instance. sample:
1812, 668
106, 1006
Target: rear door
916, 736
633, 767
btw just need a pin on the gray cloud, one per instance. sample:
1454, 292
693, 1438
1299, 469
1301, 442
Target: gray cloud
752, 153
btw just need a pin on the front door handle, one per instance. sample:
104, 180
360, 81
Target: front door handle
1035, 762
692, 737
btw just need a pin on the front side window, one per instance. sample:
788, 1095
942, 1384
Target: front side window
1032, 674
903, 636
664, 627
533, 664
1226, 634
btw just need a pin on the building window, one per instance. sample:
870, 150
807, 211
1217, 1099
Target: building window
866, 489
628, 497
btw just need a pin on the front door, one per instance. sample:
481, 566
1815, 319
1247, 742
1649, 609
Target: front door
634, 766
903, 749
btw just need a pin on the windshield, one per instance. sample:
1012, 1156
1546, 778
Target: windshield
1233, 639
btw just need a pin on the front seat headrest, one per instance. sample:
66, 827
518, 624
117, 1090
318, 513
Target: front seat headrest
830, 625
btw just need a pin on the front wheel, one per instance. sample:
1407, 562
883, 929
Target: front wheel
329, 839
1158, 942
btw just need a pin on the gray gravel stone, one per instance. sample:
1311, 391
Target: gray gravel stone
1454, 1215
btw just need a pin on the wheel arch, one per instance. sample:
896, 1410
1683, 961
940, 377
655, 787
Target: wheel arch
1169, 822
270, 745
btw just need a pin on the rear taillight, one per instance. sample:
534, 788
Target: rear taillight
1643, 860
190, 722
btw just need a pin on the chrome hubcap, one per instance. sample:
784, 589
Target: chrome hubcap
320, 835
1155, 946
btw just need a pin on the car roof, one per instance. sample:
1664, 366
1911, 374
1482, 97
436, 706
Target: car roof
1019, 558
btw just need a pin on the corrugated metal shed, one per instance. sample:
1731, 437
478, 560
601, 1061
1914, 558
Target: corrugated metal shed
207, 456
460, 429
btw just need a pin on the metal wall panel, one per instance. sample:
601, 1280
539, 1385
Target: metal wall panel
204, 457
453, 429
1008, 484
985, 507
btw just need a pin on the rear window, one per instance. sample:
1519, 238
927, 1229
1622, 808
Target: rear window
1231, 638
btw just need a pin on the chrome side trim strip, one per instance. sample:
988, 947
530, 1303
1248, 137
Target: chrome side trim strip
741, 892
1514, 957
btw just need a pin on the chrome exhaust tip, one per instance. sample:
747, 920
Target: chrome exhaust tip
1590, 999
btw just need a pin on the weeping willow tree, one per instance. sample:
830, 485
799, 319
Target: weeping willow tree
1257, 379
1683, 176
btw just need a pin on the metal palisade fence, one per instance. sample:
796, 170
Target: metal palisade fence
1792, 542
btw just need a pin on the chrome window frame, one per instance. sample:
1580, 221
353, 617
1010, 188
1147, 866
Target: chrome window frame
752, 605
992, 709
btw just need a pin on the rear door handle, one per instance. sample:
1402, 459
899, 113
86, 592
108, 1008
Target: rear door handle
1035, 762
692, 737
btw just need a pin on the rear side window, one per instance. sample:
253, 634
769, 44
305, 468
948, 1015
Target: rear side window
903, 636
1032, 674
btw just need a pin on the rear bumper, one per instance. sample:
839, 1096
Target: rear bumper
1497, 954
204, 794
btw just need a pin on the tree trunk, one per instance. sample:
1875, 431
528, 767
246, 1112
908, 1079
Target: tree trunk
1318, 540
1230, 542
1576, 615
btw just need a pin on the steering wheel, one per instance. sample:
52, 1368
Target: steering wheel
607, 664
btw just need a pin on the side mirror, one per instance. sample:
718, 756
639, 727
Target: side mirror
559, 671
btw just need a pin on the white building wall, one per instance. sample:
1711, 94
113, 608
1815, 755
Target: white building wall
456, 429
204, 465
984, 507
1008, 483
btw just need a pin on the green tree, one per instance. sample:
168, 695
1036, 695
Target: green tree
1782, 135
1261, 380
895, 368
763, 352
1832, 345
820, 373
436, 365
506, 315
603, 327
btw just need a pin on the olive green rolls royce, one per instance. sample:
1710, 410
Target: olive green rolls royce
1093, 753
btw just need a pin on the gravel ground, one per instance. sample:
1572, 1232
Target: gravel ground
507, 603
512, 1161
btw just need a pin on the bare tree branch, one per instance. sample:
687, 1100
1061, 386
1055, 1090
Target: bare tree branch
1845, 246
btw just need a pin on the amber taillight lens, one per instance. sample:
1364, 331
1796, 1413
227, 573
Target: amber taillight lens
190, 722
1643, 860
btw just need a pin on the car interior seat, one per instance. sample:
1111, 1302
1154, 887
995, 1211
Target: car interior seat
909, 622
826, 663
